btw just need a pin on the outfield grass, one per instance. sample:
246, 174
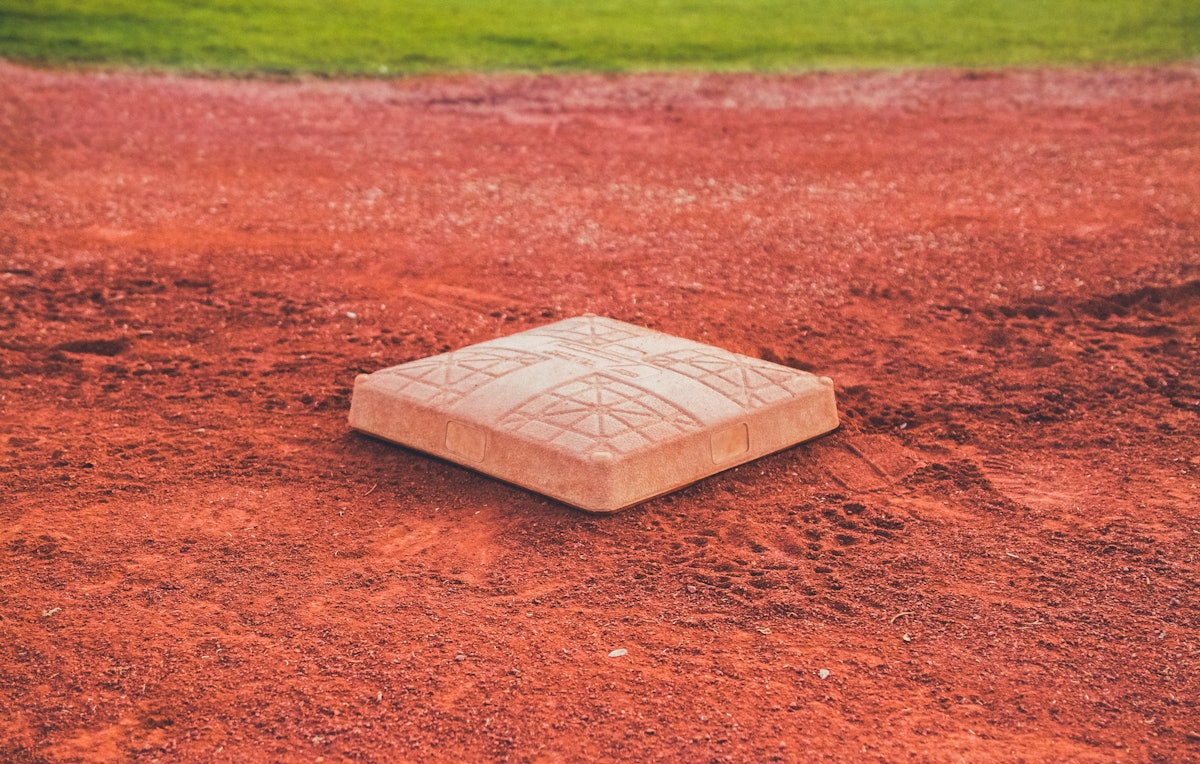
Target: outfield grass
397, 36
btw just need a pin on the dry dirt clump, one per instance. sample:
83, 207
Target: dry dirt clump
994, 558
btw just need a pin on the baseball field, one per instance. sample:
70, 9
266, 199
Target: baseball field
982, 221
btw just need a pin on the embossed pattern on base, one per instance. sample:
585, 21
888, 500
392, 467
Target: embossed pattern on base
592, 411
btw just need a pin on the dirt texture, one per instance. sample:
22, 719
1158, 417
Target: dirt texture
994, 558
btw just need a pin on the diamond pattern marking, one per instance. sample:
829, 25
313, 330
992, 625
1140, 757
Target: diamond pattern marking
750, 384
446, 379
591, 331
599, 412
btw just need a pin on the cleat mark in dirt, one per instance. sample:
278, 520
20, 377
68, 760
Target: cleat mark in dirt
804, 560
1149, 299
866, 463
447, 296
1013, 482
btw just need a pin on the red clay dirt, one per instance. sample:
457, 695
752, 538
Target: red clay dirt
994, 558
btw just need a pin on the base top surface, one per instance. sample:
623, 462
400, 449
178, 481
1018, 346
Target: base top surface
595, 395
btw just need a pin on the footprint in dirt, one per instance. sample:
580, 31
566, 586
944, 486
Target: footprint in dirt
865, 463
787, 560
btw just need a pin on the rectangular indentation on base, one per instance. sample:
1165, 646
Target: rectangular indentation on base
466, 441
730, 443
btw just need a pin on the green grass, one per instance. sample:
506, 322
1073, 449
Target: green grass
397, 36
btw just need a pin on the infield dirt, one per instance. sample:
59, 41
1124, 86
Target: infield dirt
994, 558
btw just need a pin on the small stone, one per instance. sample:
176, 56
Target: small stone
618, 652
823, 673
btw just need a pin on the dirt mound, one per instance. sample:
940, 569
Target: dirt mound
994, 558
